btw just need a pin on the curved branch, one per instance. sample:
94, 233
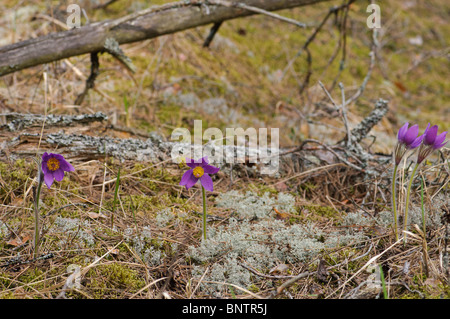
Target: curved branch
150, 23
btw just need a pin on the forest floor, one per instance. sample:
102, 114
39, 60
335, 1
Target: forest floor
126, 228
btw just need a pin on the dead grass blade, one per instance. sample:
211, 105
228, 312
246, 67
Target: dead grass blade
148, 286
235, 286
371, 260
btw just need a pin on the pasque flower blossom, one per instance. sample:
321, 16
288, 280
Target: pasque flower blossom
431, 141
407, 140
199, 171
50, 167
53, 167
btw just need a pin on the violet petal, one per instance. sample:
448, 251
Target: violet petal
416, 142
58, 174
411, 134
207, 182
209, 169
191, 181
66, 166
430, 135
205, 160
48, 179
402, 131
192, 163
438, 141
45, 157
186, 176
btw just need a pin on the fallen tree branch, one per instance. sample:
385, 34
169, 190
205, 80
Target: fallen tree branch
18, 121
154, 148
146, 24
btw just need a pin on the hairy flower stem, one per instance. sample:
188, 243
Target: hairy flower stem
407, 196
36, 213
394, 204
204, 212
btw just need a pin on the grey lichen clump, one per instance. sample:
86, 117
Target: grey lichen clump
141, 243
4, 231
261, 243
164, 217
433, 216
75, 230
251, 205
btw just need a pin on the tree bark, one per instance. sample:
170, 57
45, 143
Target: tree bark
150, 23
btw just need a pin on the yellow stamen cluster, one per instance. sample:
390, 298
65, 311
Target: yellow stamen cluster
198, 172
53, 164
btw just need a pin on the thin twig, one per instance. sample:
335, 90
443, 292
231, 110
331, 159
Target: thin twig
97, 260
343, 38
344, 113
104, 5
199, 282
241, 5
103, 189
45, 112
371, 260
329, 95
308, 72
147, 286
307, 173
264, 275
290, 282
152, 9
212, 33
235, 286
369, 72
57, 210
90, 82
311, 38
328, 148
18, 261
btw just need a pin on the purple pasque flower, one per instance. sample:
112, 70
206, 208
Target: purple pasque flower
199, 171
431, 141
408, 136
407, 140
53, 167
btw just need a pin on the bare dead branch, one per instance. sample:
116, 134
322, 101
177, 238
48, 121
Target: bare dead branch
212, 33
146, 24
18, 121
90, 82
